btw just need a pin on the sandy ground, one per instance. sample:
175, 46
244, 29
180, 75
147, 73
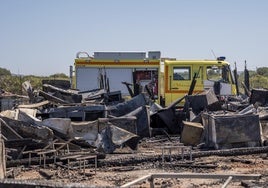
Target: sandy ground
114, 176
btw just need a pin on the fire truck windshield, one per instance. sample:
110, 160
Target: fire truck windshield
216, 73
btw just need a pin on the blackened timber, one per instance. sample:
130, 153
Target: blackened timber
166, 118
201, 101
71, 96
128, 88
62, 84
52, 98
259, 96
246, 78
236, 80
143, 121
124, 108
14, 143
81, 113
134, 160
247, 92
11, 183
127, 123
27, 130
192, 86
7, 131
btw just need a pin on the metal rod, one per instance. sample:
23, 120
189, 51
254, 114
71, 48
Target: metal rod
136, 181
227, 182
194, 175
207, 176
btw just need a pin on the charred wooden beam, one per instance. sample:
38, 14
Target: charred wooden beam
14, 143
52, 98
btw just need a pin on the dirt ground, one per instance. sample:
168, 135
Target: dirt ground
115, 175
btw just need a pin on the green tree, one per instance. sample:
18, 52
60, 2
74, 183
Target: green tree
36, 81
4, 72
251, 75
259, 81
262, 71
11, 84
59, 75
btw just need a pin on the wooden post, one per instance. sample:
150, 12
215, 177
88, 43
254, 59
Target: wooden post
2, 158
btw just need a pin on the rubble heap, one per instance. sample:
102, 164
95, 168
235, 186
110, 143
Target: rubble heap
59, 125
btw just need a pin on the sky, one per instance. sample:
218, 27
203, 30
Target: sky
42, 37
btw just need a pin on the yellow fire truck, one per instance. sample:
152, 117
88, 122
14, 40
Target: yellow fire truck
168, 80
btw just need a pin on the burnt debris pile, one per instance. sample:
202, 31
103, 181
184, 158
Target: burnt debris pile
59, 124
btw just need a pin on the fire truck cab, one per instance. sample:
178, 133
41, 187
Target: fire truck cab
179, 75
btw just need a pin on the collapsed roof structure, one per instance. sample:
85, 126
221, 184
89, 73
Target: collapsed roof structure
98, 122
